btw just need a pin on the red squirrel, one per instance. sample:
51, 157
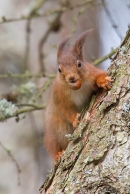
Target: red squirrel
73, 86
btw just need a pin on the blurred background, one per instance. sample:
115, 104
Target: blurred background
29, 33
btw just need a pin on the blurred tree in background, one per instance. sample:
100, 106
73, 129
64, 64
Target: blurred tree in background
30, 31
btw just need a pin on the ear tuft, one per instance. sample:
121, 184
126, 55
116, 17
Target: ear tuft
80, 43
62, 45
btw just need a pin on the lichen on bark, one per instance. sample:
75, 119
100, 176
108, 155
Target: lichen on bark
99, 161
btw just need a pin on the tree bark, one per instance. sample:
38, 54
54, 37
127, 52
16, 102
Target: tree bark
97, 159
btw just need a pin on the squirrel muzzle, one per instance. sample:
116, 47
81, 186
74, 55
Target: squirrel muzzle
75, 85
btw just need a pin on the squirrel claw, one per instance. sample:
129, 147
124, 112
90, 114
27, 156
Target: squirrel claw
76, 121
108, 78
58, 155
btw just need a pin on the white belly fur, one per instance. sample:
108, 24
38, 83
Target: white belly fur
82, 96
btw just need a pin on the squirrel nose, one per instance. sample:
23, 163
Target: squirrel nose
72, 79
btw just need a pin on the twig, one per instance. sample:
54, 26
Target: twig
30, 108
41, 54
75, 19
46, 85
30, 104
34, 9
100, 60
51, 76
27, 75
33, 107
13, 159
27, 49
49, 12
54, 25
31, 13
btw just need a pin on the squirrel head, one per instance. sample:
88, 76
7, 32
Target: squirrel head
70, 61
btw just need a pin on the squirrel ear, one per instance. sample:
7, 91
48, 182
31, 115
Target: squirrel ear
61, 45
80, 43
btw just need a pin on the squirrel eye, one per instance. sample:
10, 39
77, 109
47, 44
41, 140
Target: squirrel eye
59, 70
79, 64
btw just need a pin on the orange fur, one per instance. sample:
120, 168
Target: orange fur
71, 91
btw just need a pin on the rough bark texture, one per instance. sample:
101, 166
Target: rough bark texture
97, 159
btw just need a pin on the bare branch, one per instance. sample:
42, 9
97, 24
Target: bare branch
27, 75
34, 9
54, 25
100, 60
13, 159
31, 107
46, 85
48, 13
27, 49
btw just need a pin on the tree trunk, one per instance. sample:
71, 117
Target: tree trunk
97, 159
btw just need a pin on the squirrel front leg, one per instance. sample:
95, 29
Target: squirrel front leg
72, 116
100, 78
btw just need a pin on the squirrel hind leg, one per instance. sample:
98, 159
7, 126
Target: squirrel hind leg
53, 147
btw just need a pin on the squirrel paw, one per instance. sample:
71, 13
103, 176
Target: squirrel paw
103, 81
76, 121
58, 155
